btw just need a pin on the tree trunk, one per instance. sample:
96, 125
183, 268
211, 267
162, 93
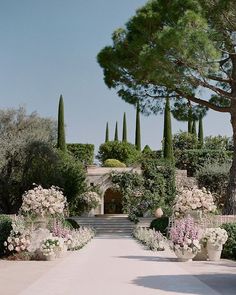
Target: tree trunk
230, 203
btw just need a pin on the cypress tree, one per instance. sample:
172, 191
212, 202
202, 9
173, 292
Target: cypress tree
61, 139
194, 129
200, 133
124, 135
190, 121
107, 133
167, 134
116, 132
137, 130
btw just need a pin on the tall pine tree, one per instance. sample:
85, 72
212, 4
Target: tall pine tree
61, 138
124, 135
137, 129
190, 120
116, 132
200, 133
107, 133
167, 134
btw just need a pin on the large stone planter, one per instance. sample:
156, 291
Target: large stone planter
184, 255
201, 255
40, 222
214, 252
195, 214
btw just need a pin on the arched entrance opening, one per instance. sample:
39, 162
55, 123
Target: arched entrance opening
112, 202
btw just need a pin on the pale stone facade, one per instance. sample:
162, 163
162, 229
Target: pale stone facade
100, 176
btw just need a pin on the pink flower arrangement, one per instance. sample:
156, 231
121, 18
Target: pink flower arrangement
184, 235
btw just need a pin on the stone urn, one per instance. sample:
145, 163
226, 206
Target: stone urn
158, 213
50, 257
202, 254
184, 255
214, 251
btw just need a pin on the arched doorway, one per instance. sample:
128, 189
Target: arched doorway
112, 202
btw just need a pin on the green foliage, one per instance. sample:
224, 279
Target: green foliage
82, 152
124, 134
184, 141
116, 138
200, 133
46, 166
229, 249
123, 151
71, 223
138, 129
193, 160
214, 177
160, 224
61, 138
159, 178
142, 193
167, 136
5, 228
218, 143
113, 163
107, 133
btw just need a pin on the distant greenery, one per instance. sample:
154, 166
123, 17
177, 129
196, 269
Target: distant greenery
82, 152
113, 163
193, 160
123, 151
229, 249
215, 177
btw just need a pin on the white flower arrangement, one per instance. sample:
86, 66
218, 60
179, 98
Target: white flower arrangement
49, 246
193, 199
43, 202
154, 240
89, 200
216, 236
19, 239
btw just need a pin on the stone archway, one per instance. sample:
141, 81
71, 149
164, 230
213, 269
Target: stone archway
112, 202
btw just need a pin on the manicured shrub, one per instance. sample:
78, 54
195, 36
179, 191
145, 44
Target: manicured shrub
229, 249
5, 228
193, 160
82, 152
160, 224
138, 129
113, 163
122, 151
215, 177
61, 138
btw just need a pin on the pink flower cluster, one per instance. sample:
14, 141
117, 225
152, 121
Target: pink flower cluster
185, 234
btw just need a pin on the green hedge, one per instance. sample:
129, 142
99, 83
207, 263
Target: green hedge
5, 228
123, 151
82, 152
193, 160
229, 249
113, 163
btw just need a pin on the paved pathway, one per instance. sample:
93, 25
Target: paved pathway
112, 266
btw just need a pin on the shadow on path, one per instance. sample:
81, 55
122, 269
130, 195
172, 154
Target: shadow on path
224, 284
150, 258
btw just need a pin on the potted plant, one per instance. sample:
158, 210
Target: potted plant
216, 238
184, 235
49, 247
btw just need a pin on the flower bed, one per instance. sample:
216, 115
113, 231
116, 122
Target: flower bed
154, 240
42, 243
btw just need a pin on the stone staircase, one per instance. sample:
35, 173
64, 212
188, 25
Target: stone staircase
108, 224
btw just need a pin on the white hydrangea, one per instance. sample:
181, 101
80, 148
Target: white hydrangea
42, 202
216, 236
193, 199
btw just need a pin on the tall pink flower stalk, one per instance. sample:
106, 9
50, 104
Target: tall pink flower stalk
184, 234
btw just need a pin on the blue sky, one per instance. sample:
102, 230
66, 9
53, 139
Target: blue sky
49, 47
